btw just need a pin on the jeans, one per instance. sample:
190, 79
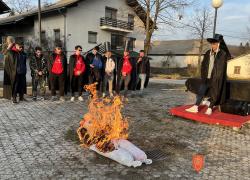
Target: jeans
41, 81
202, 93
141, 77
54, 79
108, 79
126, 80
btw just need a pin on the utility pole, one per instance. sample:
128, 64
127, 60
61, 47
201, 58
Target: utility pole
39, 23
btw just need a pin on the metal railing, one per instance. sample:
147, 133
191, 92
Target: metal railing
105, 21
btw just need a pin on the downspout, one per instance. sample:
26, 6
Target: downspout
65, 28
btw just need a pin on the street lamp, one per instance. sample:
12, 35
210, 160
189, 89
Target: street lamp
216, 4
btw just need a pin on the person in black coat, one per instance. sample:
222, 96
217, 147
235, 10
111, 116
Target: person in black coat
95, 67
213, 75
142, 71
15, 68
57, 67
76, 73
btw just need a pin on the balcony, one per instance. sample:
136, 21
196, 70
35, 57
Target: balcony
116, 25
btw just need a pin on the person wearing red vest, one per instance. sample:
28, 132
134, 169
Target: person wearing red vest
57, 66
76, 70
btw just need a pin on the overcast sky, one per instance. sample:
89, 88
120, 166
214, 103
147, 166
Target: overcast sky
233, 18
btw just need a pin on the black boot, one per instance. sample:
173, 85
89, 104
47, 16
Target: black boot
21, 98
14, 101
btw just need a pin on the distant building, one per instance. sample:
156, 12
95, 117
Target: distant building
239, 68
176, 53
84, 22
181, 53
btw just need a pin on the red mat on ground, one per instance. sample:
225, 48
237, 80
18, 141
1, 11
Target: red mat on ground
216, 118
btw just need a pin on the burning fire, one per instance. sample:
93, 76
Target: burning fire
103, 123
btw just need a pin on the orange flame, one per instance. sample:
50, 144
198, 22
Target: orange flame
103, 122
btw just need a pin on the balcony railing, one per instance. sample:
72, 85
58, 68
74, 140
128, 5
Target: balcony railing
114, 24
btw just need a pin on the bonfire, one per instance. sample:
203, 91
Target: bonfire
105, 130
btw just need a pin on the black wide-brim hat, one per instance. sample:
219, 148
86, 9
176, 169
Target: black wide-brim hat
216, 38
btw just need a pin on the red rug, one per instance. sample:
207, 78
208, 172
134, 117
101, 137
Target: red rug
217, 117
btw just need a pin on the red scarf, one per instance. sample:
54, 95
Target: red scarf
57, 66
14, 48
126, 67
79, 66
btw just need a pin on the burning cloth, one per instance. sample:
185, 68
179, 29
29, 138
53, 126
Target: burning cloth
105, 131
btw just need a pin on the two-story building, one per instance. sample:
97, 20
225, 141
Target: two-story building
84, 22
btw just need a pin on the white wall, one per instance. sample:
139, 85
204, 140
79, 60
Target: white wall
49, 23
86, 17
244, 63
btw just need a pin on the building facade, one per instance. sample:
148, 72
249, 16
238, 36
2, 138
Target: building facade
79, 22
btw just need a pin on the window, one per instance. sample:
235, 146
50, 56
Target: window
131, 19
131, 43
92, 37
117, 41
57, 35
43, 36
237, 69
110, 13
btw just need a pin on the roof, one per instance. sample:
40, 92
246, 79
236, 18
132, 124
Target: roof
59, 5
67, 3
140, 12
3, 7
177, 47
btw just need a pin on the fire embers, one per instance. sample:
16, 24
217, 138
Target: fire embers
103, 123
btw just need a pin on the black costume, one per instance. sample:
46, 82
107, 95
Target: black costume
143, 67
14, 74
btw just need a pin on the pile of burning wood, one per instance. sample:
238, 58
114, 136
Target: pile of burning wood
105, 130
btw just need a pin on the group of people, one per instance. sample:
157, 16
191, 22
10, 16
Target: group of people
111, 72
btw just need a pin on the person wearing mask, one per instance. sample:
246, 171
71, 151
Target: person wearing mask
10, 43
38, 67
57, 67
15, 66
76, 71
109, 67
213, 71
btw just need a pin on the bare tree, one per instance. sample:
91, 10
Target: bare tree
200, 25
20, 6
158, 12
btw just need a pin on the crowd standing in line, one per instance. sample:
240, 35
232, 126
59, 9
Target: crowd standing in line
112, 73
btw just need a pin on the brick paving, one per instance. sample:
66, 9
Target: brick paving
38, 141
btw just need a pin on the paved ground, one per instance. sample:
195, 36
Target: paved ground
38, 141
